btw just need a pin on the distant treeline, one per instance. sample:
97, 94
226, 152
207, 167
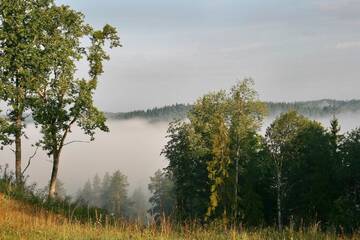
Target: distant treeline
166, 113
316, 108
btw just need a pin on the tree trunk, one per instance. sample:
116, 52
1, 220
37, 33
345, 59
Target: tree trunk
236, 184
53, 179
18, 173
279, 200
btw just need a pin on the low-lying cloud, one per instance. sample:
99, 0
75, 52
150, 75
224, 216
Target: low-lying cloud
347, 45
132, 146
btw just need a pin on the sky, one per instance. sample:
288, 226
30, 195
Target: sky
175, 51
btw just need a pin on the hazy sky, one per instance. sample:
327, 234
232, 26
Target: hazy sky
175, 51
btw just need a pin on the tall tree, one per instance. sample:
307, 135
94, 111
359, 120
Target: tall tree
25, 53
279, 137
209, 146
139, 206
96, 186
311, 177
117, 201
162, 199
347, 206
246, 116
63, 101
188, 168
85, 195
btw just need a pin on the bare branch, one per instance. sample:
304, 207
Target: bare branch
30, 158
61, 145
68, 143
11, 149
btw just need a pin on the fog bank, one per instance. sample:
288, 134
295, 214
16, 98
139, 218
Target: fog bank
132, 146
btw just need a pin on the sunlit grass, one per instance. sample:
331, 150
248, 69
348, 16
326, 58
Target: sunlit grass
23, 221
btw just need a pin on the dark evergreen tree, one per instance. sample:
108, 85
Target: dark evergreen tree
162, 199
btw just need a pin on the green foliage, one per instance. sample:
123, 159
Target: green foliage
312, 184
24, 39
162, 199
48, 40
188, 168
203, 152
5, 129
63, 100
117, 201
347, 206
110, 194
40, 44
299, 174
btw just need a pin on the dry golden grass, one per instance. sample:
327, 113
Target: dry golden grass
22, 221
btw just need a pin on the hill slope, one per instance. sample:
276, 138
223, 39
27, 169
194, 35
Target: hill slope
23, 221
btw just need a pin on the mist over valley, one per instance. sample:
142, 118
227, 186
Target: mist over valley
132, 146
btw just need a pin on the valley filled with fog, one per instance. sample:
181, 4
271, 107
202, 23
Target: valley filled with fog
131, 146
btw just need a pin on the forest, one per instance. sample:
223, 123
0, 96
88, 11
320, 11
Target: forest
298, 173
221, 168
224, 176
311, 109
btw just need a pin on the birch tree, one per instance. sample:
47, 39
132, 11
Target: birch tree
63, 101
246, 116
279, 136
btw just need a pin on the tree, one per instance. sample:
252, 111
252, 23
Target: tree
204, 151
312, 183
139, 206
25, 53
96, 188
162, 199
116, 201
105, 186
85, 195
223, 121
246, 116
279, 136
347, 206
63, 101
60, 193
4, 130
188, 170
336, 137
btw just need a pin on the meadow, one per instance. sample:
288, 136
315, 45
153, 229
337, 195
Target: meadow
19, 220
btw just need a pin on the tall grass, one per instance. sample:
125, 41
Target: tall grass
19, 220
26, 214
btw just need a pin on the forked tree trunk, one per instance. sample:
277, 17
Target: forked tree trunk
18, 173
53, 179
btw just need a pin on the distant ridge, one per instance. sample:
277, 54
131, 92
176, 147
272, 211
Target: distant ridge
316, 108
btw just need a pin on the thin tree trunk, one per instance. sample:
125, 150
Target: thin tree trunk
279, 200
18, 173
53, 179
236, 184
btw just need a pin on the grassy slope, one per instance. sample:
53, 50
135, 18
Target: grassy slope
21, 221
